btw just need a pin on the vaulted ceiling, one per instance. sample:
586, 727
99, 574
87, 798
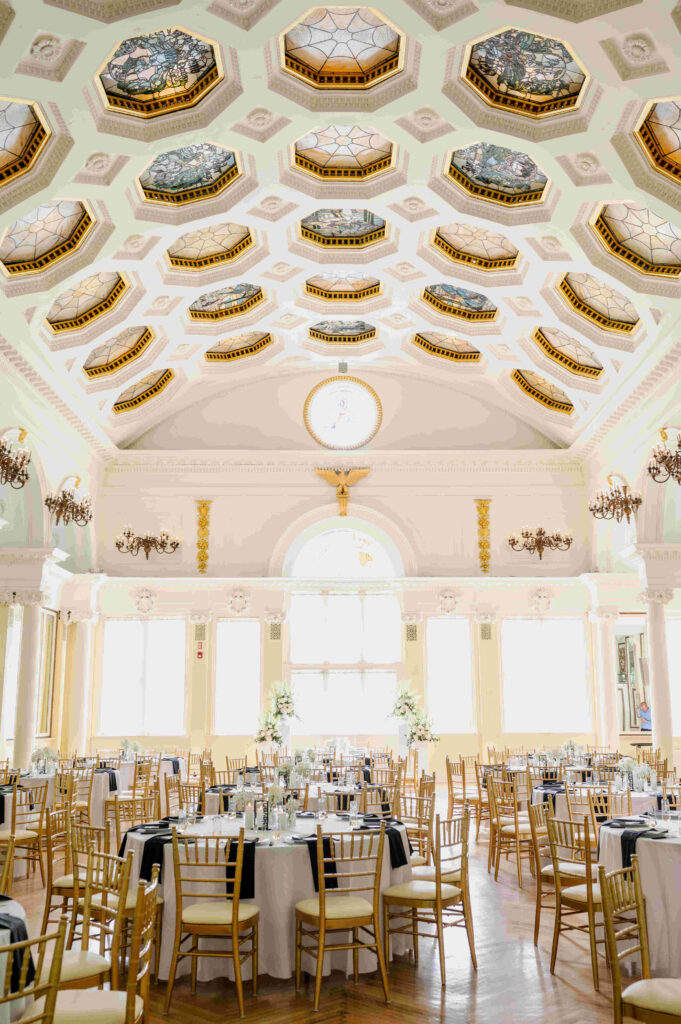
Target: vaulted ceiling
208, 208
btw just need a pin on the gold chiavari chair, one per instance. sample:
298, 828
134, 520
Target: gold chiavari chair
28, 825
426, 786
83, 781
200, 872
8, 776
417, 814
570, 843
604, 804
191, 795
83, 839
649, 1000
128, 813
541, 774
380, 800
193, 767
41, 993
385, 776
235, 764
438, 895
512, 832
132, 1005
229, 777
172, 788
605, 772
538, 816
141, 787
206, 773
109, 759
672, 795
59, 886
649, 756
104, 895
349, 871
299, 793
481, 800
578, 803
6, 866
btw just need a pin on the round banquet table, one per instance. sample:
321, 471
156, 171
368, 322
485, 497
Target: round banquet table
314, 798
659, 863
283, 877
640, 802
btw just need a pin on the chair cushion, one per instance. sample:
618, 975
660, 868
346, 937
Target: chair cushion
63, 882
212, 912
523, 829
427, 874
568, 869
522, 817
21, 833
660, 994
577, 893
90, 1005
418, 890
337, 907
77, 965
417, 860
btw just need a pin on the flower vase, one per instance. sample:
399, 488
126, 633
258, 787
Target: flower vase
285, 729
423, 750
402, 733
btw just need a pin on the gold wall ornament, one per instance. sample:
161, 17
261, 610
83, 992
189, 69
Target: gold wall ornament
342, 480
202, 533
482, 506
539, 541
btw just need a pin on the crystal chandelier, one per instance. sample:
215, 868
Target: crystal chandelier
14, 463
129, 543
665, 463
67, 508
618, 502
539, 540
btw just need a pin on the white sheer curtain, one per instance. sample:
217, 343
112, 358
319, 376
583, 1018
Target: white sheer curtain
11, 673
237, 677
449, 675
143, 678
331, 633
674, 655
545, 676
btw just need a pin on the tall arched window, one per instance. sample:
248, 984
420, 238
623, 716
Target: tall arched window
343, 548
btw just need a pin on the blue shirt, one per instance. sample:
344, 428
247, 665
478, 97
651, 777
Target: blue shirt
645, 719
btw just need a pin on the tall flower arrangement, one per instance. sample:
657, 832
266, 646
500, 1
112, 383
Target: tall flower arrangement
282, 707
269, 730
419, 725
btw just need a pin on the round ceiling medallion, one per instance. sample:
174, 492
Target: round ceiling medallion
342, 413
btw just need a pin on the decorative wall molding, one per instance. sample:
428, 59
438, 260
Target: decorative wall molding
111, 10
448, 602
606, 614
50, 57
238, 601
76, 616
22, 596
540, 600
482, 511
202, 533
656, 595
200, 618
144, 600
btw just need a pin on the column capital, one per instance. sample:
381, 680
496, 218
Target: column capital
603, 614
80, 615
21, 596
410, 619
486, 617
201, 618
275, 618
656, 595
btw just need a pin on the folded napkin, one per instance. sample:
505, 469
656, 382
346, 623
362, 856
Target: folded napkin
304, 814
331, 883
398, 856
153, 847
4, 791
247, 891
176, 764
17, 933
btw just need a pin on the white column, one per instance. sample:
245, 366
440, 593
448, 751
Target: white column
606, 676
78, 681
660, 691
27, 690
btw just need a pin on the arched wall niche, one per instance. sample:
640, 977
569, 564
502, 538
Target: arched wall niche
399, 554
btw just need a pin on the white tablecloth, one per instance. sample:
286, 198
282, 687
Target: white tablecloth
640, 803
283, 877
10, 1011
659, 862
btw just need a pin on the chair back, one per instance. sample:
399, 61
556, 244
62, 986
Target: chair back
299, 793
208, 869
109, 759
380, 800
107, 882
570, 841
83, 780
229, 777
191, 795
138, 811
64, 790
503, 800
141, 780
236, 763
8, 776
28, 807
206, 772
450, 850
58, 843
624, 918
539, 815
6, 866
351, 864
41, 994
523, 787
426, 785
172, 788
384, 776
577, 798
417, 813
141, 944
672, 794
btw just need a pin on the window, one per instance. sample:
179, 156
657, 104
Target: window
143, 678
674, 654
449, 675
353, 549
11, 675
545, 676
48, 637
237, 677
345, 650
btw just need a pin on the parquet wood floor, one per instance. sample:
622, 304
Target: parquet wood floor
512, 985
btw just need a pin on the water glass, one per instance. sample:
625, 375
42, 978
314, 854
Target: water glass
354, 812
181, 819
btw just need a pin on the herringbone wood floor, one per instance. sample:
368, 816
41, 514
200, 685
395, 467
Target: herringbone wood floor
512, 984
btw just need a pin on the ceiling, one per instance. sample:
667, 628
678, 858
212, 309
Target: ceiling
208, 208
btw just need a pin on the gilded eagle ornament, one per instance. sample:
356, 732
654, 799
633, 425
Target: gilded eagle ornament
342, 480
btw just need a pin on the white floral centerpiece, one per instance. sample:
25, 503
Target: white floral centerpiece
129, 747
405, 704
627, 764
421, 729
42, 757
269, 730
282, 701
275, 795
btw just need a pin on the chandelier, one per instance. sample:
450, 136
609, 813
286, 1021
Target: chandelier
618, 502
129, 543
540, 541
67, 508
665, 463
14, 463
